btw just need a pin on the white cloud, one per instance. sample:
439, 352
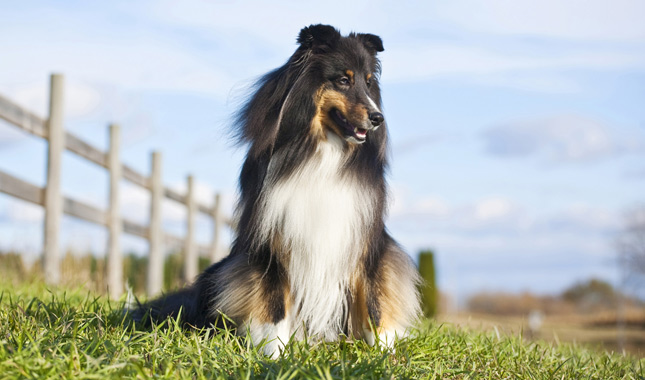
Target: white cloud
272, 23
403, 205
499, 235
150, 56
562, 138
80, 98
498, 217
23, 212
410, 56
532, 80
577, 19
489, 213
492, 208
135, 203
159, 66
417, 142
130, 58
581, 218
599, 20
429, 60
433, 206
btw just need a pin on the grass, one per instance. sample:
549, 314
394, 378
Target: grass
74, 334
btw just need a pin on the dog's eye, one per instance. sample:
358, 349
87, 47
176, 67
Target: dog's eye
369, 82
343, 81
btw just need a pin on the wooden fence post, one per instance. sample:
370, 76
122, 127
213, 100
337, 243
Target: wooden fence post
156, 256
217, 224
53, 197
190, 250
115, 224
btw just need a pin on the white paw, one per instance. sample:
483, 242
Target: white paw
385, 338
274, 336
273, 348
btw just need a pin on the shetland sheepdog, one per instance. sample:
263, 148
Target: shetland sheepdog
311, 256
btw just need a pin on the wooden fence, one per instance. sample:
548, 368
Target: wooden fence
55, 203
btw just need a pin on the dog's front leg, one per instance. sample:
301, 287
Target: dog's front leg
274, 335
390, 296
269, 322
253, 292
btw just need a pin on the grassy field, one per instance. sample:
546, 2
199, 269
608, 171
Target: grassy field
74, 334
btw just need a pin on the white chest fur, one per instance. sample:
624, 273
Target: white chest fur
321, 217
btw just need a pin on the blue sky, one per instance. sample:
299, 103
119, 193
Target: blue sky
517, 127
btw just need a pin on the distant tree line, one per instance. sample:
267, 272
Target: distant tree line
584, 297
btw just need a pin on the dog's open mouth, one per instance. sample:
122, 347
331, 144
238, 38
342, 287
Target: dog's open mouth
359, 134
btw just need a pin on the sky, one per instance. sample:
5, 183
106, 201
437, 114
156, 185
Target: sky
517, 128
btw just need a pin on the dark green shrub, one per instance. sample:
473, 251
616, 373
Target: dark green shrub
428, 290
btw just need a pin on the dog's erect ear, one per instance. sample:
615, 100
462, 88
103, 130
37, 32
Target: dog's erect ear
373, 43
318, 37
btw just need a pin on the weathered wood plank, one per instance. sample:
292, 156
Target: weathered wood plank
175, 196
22, 118
21, 189
134, 228
204, 209
173, 240
31, 193
136, 178
84, 211
85, 150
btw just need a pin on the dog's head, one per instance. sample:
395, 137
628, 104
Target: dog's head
345, 73
329, 85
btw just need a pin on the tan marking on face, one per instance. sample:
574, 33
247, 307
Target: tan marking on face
350, 75
368, 77
326, 100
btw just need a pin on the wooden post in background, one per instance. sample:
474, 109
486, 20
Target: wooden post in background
190, 250
53, 197
114, 222
215, 255
156, 256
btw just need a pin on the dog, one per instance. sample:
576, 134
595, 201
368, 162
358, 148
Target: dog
311, 257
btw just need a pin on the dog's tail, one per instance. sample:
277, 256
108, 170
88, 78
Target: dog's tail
183, 304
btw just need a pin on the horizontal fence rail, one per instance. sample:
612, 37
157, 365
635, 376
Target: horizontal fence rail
55, 204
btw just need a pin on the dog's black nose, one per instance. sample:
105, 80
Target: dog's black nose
376, 118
